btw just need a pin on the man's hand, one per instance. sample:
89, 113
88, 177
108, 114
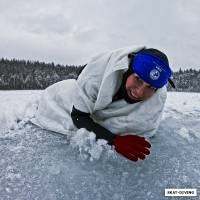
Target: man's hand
132, 147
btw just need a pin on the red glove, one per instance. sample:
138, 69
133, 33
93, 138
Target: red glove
131, 146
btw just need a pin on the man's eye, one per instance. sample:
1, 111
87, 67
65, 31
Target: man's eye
138, 78
151, 87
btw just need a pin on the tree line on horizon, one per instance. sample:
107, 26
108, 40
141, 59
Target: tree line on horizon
21, 74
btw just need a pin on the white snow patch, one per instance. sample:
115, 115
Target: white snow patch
185, 133
87, 144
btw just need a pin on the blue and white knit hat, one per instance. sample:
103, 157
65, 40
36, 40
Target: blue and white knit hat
152, 66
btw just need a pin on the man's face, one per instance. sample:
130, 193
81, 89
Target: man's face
137, 89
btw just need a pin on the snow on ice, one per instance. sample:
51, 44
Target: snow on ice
39, 164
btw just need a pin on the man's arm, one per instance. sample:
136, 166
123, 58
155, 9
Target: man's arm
130, 146
83, 120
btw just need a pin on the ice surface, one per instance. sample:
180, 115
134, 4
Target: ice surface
39, 164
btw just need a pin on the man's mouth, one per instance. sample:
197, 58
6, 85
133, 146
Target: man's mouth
132, 96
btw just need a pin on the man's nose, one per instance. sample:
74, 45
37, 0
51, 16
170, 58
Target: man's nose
140, 90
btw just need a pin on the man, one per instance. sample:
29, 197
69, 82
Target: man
148, 71
119, 95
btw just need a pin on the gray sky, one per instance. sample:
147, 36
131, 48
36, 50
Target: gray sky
72, 31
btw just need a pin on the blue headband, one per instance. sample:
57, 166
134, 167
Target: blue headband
151, 69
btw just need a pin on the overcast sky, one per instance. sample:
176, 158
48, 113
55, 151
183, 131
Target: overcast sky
72, 31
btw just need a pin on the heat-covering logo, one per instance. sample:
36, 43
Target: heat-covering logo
154, 74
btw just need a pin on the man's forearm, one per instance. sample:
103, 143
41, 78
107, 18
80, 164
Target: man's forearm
83, 120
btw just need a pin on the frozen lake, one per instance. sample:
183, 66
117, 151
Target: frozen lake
38, 164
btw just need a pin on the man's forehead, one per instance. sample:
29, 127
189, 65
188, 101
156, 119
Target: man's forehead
147, 84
